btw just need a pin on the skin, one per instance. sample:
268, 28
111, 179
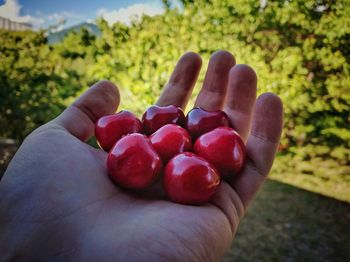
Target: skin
57, 202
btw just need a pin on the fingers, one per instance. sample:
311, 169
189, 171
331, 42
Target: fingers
99, 100
179, 88
241, 95
261, 146
213, 92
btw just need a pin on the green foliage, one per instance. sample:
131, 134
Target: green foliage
314, 173
299, 49
35, 81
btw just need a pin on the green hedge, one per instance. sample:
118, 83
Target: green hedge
300, 50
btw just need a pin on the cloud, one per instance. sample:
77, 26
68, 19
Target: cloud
127, 14
11, 10
63, 15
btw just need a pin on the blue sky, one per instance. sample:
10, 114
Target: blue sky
42, 13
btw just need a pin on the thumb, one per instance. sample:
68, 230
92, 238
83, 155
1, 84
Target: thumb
79, 118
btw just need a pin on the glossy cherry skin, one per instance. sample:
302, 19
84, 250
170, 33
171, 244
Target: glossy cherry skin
170, 140
189, 179
109, 129
157, 116
199, 121
133, 163
224, 148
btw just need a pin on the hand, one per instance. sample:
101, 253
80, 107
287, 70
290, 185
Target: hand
57, 201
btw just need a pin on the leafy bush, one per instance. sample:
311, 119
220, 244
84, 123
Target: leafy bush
35, 81
300, 50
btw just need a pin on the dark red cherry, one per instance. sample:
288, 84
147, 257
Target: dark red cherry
157, 116
133, 162
199, 121
170, 140
109, 129
224, 148
189, 179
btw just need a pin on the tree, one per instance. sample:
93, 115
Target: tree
35, 81
300, 50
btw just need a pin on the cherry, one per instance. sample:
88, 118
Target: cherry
199, 121
157, 116
133, 163
109, 129
171, 140
224, 148
189, 179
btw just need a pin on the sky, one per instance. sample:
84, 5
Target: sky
43, 13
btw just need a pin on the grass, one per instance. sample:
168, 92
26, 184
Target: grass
301, 214
290, 224
323, 176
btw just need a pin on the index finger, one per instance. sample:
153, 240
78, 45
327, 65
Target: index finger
213, 92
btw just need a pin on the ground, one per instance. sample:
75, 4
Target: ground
286, 223
302, 213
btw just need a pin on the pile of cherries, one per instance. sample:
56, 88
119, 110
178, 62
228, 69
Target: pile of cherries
140, 152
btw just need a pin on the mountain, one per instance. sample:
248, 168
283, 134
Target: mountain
58, 36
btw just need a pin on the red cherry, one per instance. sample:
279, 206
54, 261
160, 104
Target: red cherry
171, 140
189, 179
157, 116
224, 148
109, 129
133, 163
199, 121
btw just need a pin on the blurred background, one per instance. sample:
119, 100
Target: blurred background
51, 51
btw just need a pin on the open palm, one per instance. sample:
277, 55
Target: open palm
57, 202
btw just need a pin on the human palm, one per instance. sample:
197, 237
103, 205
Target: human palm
57, 202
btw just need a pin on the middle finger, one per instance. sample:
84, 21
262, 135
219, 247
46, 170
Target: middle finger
213, 92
